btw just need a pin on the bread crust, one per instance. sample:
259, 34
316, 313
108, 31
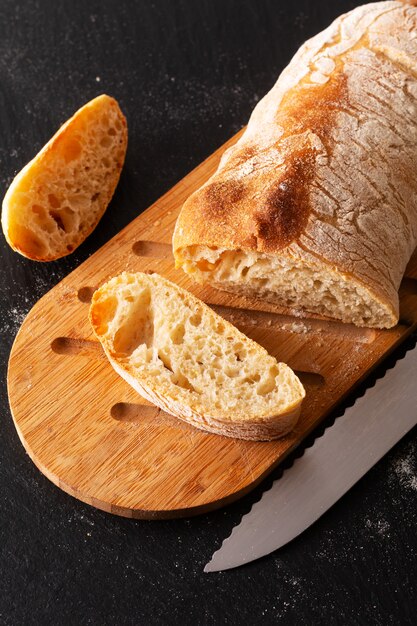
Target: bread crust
267, 429
47, 167
324, 172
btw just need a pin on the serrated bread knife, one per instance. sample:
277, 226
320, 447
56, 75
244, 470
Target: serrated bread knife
327, 470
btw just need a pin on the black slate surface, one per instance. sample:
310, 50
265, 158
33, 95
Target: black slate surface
187, 74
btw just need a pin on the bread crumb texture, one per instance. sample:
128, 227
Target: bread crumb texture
189, 361
315, 207
56, 201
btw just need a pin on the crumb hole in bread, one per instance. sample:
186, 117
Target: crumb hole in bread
177, 334
266, 387
106, 162
220, 328
182, 381
231, 372
67, 217
269, 383
255, 378
38, 210
64, 218
70, 248
330, 299
95, 196
195, 320
164, 357
53, 201
105, 142
71, 150
77, 201
137, 327
177, 378
57, 219
111, 131
240, 355
239, 351
245, 271
206, 266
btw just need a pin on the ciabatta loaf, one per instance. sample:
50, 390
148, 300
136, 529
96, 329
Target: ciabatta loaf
179, 354
315, 207
55, 202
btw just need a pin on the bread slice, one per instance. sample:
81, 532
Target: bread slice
57, 200
179, 354
315, 206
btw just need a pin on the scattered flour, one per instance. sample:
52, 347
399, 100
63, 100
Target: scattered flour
381, 527
17, 316
405, 468
12, 319
17, 304
296, 327
296, 591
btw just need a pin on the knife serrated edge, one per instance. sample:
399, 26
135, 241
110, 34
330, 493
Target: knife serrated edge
322, 428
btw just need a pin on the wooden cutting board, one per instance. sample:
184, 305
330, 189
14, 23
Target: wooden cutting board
94, 437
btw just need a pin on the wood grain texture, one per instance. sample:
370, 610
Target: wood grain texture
94, 437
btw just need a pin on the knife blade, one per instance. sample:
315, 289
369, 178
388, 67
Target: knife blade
326, 471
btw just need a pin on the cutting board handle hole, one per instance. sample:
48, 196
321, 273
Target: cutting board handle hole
71, 345
129, 412
154, 249
310, 379
85, 294
143, 413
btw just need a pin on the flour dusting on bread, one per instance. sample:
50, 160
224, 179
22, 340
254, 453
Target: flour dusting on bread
315, 207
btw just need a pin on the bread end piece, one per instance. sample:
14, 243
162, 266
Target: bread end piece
180, 355
58, 198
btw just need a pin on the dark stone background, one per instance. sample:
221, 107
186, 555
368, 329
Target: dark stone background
187, 74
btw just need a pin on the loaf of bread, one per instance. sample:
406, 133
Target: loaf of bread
179, 354
315, 207
56, 201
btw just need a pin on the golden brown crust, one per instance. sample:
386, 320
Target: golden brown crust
325, 169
